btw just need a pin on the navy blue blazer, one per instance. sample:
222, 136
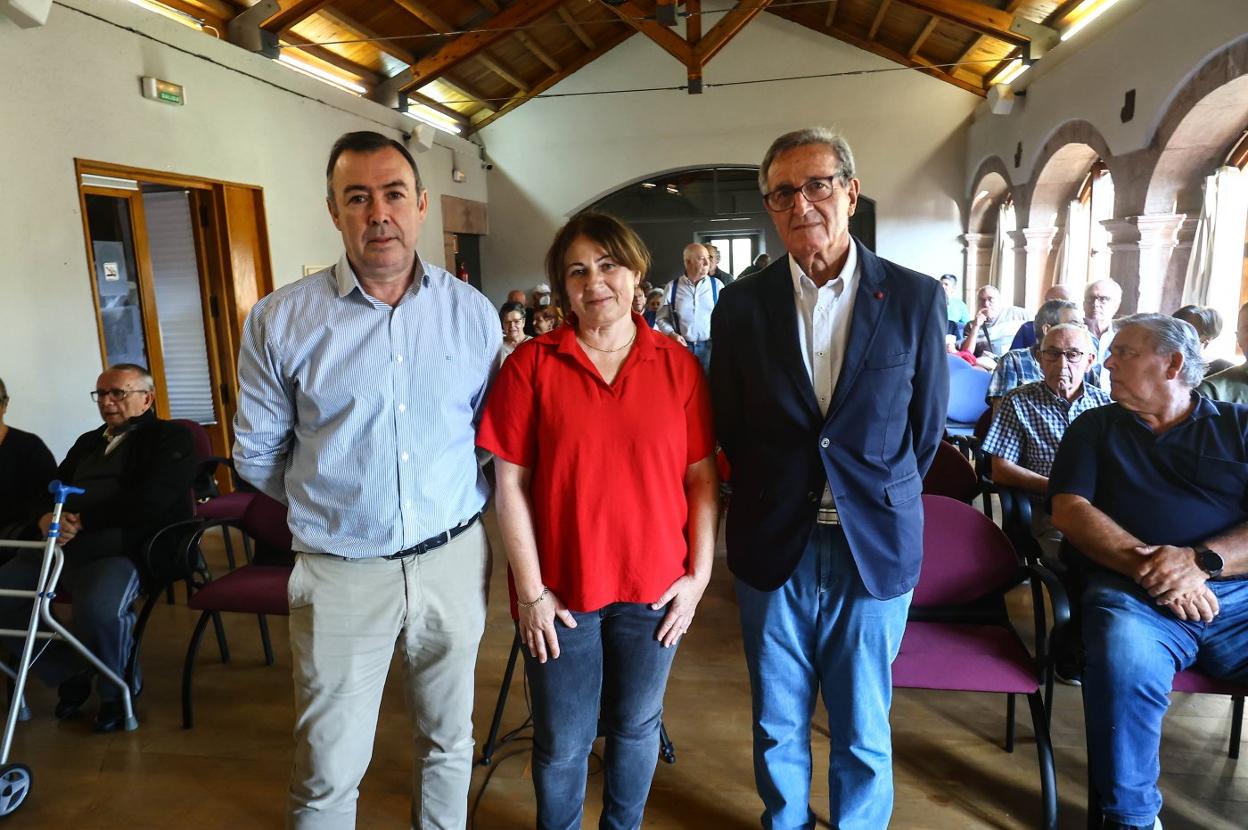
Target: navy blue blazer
884, 422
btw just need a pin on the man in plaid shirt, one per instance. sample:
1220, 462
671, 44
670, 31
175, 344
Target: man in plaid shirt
1020, 366
1031, 419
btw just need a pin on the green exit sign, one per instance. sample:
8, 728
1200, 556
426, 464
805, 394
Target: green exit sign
166, 91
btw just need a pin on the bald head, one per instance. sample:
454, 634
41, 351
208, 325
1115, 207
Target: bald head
697, 261
1058, 292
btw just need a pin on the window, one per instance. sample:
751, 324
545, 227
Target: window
1087, 240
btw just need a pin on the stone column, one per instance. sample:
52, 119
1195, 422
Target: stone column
1019, 239
1039, 271
1140, 249
977, 251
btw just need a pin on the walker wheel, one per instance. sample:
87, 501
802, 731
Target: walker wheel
14, 787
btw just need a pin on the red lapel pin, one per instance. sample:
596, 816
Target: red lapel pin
879, 295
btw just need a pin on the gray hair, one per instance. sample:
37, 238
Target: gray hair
1050, 314
145, 377
1059, 327
1171, 335
803, 138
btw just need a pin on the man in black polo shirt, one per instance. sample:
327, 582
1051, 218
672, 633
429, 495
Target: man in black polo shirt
1153, 490
137, 472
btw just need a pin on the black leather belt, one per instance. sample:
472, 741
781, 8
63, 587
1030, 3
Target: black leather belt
435, 542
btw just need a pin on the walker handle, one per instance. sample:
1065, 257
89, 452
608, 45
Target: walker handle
63, 491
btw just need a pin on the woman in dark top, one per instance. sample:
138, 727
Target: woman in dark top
26, 467
1208, 324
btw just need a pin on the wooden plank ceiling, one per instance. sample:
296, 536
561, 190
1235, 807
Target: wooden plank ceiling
473, 61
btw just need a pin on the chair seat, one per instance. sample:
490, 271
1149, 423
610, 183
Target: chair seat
963, 658
252, 589
228, 506
1194, 680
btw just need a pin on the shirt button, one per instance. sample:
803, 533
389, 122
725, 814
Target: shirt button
402, 408
825, 443
403, 456
398, 358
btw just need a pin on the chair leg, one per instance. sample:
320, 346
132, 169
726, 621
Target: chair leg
188, 667
1009, 723
667, 749
222, 645
1044, 751
229, 547
1237, 727
140, 626
491, 743
264, 639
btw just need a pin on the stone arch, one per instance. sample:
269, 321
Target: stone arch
994, 177
1062, 163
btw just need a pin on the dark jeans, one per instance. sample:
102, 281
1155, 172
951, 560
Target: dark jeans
104, 591
609, 665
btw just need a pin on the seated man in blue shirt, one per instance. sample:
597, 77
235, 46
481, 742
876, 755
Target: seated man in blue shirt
1153, 491
1019, 366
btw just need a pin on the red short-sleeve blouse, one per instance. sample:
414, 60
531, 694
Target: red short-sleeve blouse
607, 462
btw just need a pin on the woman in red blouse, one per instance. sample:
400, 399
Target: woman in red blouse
600, 598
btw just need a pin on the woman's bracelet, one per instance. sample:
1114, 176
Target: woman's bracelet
545, 593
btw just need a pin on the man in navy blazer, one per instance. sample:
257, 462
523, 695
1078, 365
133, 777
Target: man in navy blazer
830, 385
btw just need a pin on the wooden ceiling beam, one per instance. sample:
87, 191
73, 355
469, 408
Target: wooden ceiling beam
577, 29
897, 57
536, 50
415, 97
972, 15
693, 22
292, 14
363, 32
503, 72
932, 23
216, 8
426, 15
546, 83
728, 26
468, 93
473, 43
368, 76
830, 18
636, 17
878, 20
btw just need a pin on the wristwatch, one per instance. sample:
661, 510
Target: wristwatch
1209, 561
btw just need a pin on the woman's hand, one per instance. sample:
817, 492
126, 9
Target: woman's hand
537, 626
684, 595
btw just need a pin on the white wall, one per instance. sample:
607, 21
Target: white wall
72, 91
554, 156
1150, 46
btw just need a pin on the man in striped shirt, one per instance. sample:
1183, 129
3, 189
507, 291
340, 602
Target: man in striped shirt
360, 389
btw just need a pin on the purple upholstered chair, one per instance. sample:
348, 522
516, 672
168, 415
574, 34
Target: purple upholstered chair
958, 618
210, 503
951, 475
258, 587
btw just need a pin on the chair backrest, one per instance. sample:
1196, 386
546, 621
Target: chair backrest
983, 424
967, 387
951, 475
265, 521
965, 556
205, 485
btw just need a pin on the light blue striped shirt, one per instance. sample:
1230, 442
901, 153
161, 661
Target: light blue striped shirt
363, 417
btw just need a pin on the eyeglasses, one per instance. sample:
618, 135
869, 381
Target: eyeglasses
1096, 299
114, 394
1071, 355
815, 190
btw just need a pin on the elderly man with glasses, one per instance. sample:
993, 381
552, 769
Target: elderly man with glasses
137, 471
830, 384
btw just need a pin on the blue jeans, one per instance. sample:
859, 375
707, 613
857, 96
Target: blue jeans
702, 351
1134, 650
822, 632
611, 666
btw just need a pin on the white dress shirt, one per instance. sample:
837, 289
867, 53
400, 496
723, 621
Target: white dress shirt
824, 315
694, 304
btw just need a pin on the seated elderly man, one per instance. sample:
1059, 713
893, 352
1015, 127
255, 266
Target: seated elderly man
1019, 366
994, 325
137, 472
1231, 384
1153, 491
1029, 424
1027, 333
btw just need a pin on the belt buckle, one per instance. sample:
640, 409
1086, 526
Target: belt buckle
828, 516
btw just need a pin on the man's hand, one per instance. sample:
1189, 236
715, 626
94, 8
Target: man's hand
678, 339
71, 524
1200, 604
1166, 571
981, 317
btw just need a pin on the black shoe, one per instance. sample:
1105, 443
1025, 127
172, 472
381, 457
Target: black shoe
111, 717
73, 693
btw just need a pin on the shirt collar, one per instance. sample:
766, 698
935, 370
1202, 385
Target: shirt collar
842, 281
346, 281
644, 347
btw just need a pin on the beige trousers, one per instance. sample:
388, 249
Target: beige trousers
346, 619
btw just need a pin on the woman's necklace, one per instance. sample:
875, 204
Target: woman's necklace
609, 351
